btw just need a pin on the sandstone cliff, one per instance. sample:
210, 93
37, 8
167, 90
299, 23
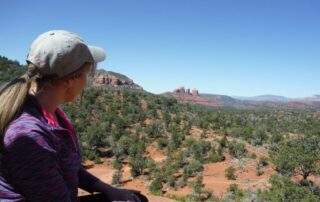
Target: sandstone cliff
104, 78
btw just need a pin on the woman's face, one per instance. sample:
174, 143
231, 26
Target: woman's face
76, 85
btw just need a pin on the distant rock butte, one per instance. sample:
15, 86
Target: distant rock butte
112, 79
187, 91
193, 97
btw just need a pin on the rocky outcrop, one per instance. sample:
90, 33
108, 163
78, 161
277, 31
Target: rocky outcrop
183, 91
104, 78
180, 90
108, 79
193, 97
195, 92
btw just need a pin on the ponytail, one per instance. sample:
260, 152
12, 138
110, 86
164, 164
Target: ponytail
13, 96
14, 93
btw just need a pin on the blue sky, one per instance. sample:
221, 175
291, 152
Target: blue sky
230, 47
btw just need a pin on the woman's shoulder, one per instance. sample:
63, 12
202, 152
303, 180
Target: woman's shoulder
28, 119
26, 126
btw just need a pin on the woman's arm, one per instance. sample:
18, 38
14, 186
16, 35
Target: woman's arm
87, 180
91, 184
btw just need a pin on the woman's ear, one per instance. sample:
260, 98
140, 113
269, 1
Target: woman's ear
66, 83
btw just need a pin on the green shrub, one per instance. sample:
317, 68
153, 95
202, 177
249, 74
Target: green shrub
116, 177
230, 173
283, 189
236, 193
237, 150
223, 142
264, 161
215, 157
253, 155
193, 167
156, 186
259, 171
162, 143
137, 165
171, 181
117, 164
197, 185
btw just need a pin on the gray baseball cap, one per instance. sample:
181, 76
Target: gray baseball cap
61, 52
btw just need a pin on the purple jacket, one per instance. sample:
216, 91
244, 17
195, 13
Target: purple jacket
41, 161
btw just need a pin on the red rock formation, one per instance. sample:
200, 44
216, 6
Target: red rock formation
195, 92
100, 80
185, 96
108, 79
180, 90
104, 78
184, 91
188, 91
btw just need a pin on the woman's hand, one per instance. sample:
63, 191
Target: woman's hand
122, 195
115, 194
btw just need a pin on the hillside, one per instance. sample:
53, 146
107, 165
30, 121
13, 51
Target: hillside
263, 102
186, 152
10, 69
270, 98
160, 145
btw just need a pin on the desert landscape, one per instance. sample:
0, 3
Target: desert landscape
214, 178
187, 146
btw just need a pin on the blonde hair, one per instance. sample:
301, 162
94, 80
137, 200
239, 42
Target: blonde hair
14, 94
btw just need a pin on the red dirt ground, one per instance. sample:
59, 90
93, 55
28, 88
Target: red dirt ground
105, 171
213, 174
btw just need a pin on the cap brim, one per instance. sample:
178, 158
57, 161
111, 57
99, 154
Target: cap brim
97, 53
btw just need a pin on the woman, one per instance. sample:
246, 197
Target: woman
40, 154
